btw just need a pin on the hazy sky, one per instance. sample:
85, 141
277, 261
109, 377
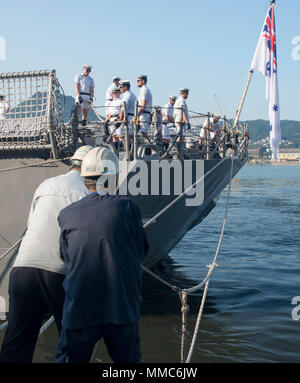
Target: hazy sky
206, 46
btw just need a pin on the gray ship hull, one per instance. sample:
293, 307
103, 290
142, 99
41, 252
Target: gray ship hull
170, 227
17, 188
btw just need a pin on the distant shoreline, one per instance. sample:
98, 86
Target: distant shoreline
257, 162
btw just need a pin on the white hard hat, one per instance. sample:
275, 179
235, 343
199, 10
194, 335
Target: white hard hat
81, 152
87, 66
99, 161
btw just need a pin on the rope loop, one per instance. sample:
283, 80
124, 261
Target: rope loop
185, 309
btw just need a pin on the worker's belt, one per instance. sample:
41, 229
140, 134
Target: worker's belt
114, 115
146, 112
130, 114
86, 94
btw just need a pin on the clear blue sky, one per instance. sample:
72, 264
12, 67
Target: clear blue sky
204, 45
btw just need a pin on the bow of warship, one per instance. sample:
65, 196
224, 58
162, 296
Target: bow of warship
174, 195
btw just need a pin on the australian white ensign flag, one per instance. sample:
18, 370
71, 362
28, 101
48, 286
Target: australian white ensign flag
265, 61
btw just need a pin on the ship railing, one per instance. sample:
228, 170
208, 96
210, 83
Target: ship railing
34, 120
197, 140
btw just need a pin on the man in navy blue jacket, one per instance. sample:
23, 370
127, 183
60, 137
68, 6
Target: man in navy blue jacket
103, 244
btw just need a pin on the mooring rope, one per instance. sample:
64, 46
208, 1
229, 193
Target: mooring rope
163, 281
184, 313
183, 293
34, 164
96, 113
211, 269
3, 326
46, 325
197, 326
11, 248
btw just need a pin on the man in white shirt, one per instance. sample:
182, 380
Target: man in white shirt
4, 108
181, 115
108, 95
130, 99
145, 105
113, 118
36, 280
84, 88
167, 118
213, 127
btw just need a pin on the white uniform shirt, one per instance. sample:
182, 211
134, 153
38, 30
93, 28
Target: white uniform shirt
40, 245
130, 100
214, 128
3, 109
85, 83
108, 95
145, 94
115, 107
180, 102
168, 110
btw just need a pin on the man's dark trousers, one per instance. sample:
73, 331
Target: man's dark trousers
122, 342
33, 293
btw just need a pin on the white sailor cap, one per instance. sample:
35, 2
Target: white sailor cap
124, 83
115, 90
116, 78
142, 77
87, 66
184, 90
172, 98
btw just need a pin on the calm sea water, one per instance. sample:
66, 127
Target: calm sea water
248, 309
248, 316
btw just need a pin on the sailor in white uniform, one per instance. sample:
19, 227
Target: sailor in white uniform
115, 109
4, 108
108, 95
181, 115
214, 127
145, 105
167, 118
84, 88
130, 99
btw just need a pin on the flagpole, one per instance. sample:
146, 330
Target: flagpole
239, 110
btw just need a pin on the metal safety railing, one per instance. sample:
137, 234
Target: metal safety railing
200, 139
32, 114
